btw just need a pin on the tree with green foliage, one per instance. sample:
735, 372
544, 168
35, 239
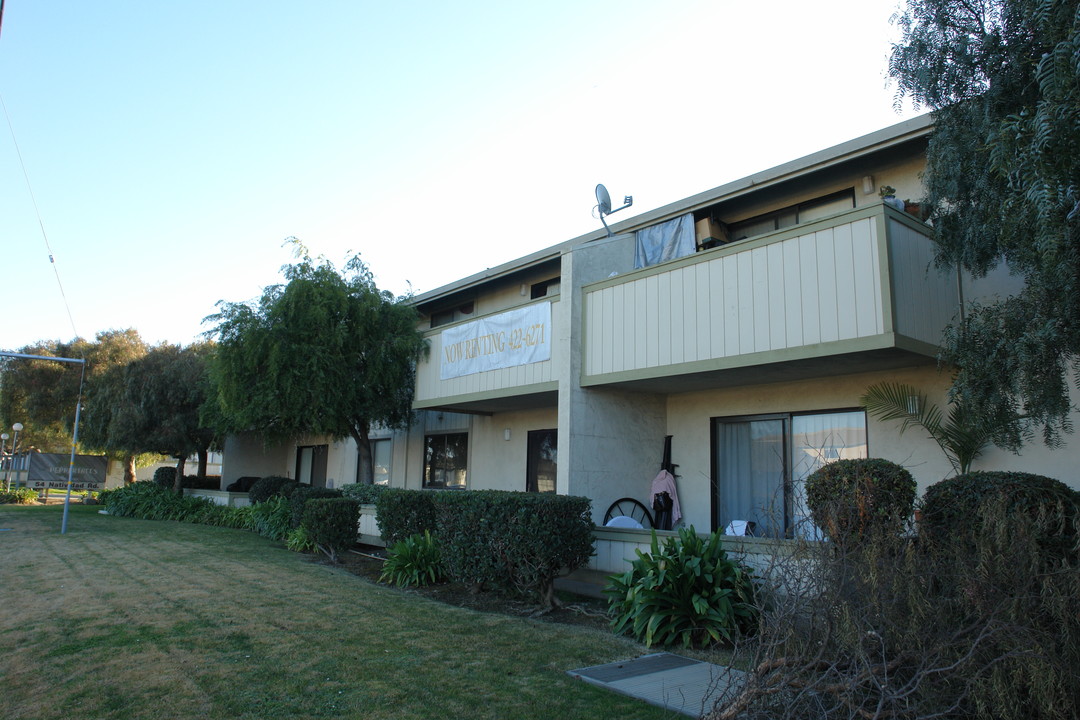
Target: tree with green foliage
163, 394
327, 353
115, 349
42, 394
1003, 178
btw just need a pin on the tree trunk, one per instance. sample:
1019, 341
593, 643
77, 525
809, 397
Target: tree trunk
365, 473
204, 455
178, 486
129, 469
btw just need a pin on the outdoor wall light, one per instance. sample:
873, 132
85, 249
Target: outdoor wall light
506, 434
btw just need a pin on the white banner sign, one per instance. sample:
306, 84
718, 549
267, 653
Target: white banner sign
518, 337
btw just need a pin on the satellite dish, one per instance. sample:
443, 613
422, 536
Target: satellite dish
603, 204
603, 200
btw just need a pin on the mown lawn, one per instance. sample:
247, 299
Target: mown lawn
124, 618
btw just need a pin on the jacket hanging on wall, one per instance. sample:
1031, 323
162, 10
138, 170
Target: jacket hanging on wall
664, 484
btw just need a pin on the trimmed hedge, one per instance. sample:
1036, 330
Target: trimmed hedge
850, 498
265, 488
514, 542
366, 494
403, 513
330, 523
165, 477
955, 507
298, 499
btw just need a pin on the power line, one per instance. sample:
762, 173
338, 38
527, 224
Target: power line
37, 211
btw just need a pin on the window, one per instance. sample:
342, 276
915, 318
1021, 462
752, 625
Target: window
793, 215
311, 464
446, 460
761, 462
545, 288
542, 461
380, 458
449, 315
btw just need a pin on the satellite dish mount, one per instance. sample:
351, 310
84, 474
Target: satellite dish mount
603, 203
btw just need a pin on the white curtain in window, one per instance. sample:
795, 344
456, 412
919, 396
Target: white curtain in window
666, 241
751, 475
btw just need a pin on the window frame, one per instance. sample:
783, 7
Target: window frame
789, 216
426, 468
788, 480
320, 454
372, 443
532, 458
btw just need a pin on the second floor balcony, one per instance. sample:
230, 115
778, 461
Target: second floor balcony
851, 292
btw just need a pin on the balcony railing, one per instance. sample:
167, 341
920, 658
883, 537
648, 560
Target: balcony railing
858, 283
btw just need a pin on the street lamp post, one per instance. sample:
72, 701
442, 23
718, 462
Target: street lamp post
75, 430
17, 427
4, 437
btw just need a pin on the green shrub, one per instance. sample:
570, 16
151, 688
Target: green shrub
299, 497
850, 498
299, 540
366, 494
687, 592
515, 542
165, 477
401, 513
18, 496
271, 519
331, 523
265, 488
956, 507
150, 501
416, 560
238, 518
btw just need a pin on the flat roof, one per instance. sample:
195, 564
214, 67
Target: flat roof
870, 143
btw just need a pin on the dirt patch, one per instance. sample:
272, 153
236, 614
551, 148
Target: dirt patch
576, 609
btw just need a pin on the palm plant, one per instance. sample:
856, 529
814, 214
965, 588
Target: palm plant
961, 435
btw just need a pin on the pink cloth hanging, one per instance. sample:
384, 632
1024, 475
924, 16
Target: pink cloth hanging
665, 482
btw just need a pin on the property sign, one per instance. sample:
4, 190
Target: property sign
50, 470
518, 337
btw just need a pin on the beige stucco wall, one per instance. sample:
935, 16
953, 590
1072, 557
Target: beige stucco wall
247, 456
689, 423
496, 463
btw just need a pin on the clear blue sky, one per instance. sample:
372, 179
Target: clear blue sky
172, 147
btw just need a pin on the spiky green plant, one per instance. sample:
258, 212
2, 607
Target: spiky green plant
687, 592
961, 435
416, 560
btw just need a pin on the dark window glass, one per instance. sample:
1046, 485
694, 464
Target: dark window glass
542, 460
446, 460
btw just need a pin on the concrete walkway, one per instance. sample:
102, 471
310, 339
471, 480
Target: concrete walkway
686, 686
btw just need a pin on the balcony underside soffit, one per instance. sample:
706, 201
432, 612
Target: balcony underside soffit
493, 405
802, 369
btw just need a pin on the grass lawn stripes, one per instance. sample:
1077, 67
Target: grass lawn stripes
124, 618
